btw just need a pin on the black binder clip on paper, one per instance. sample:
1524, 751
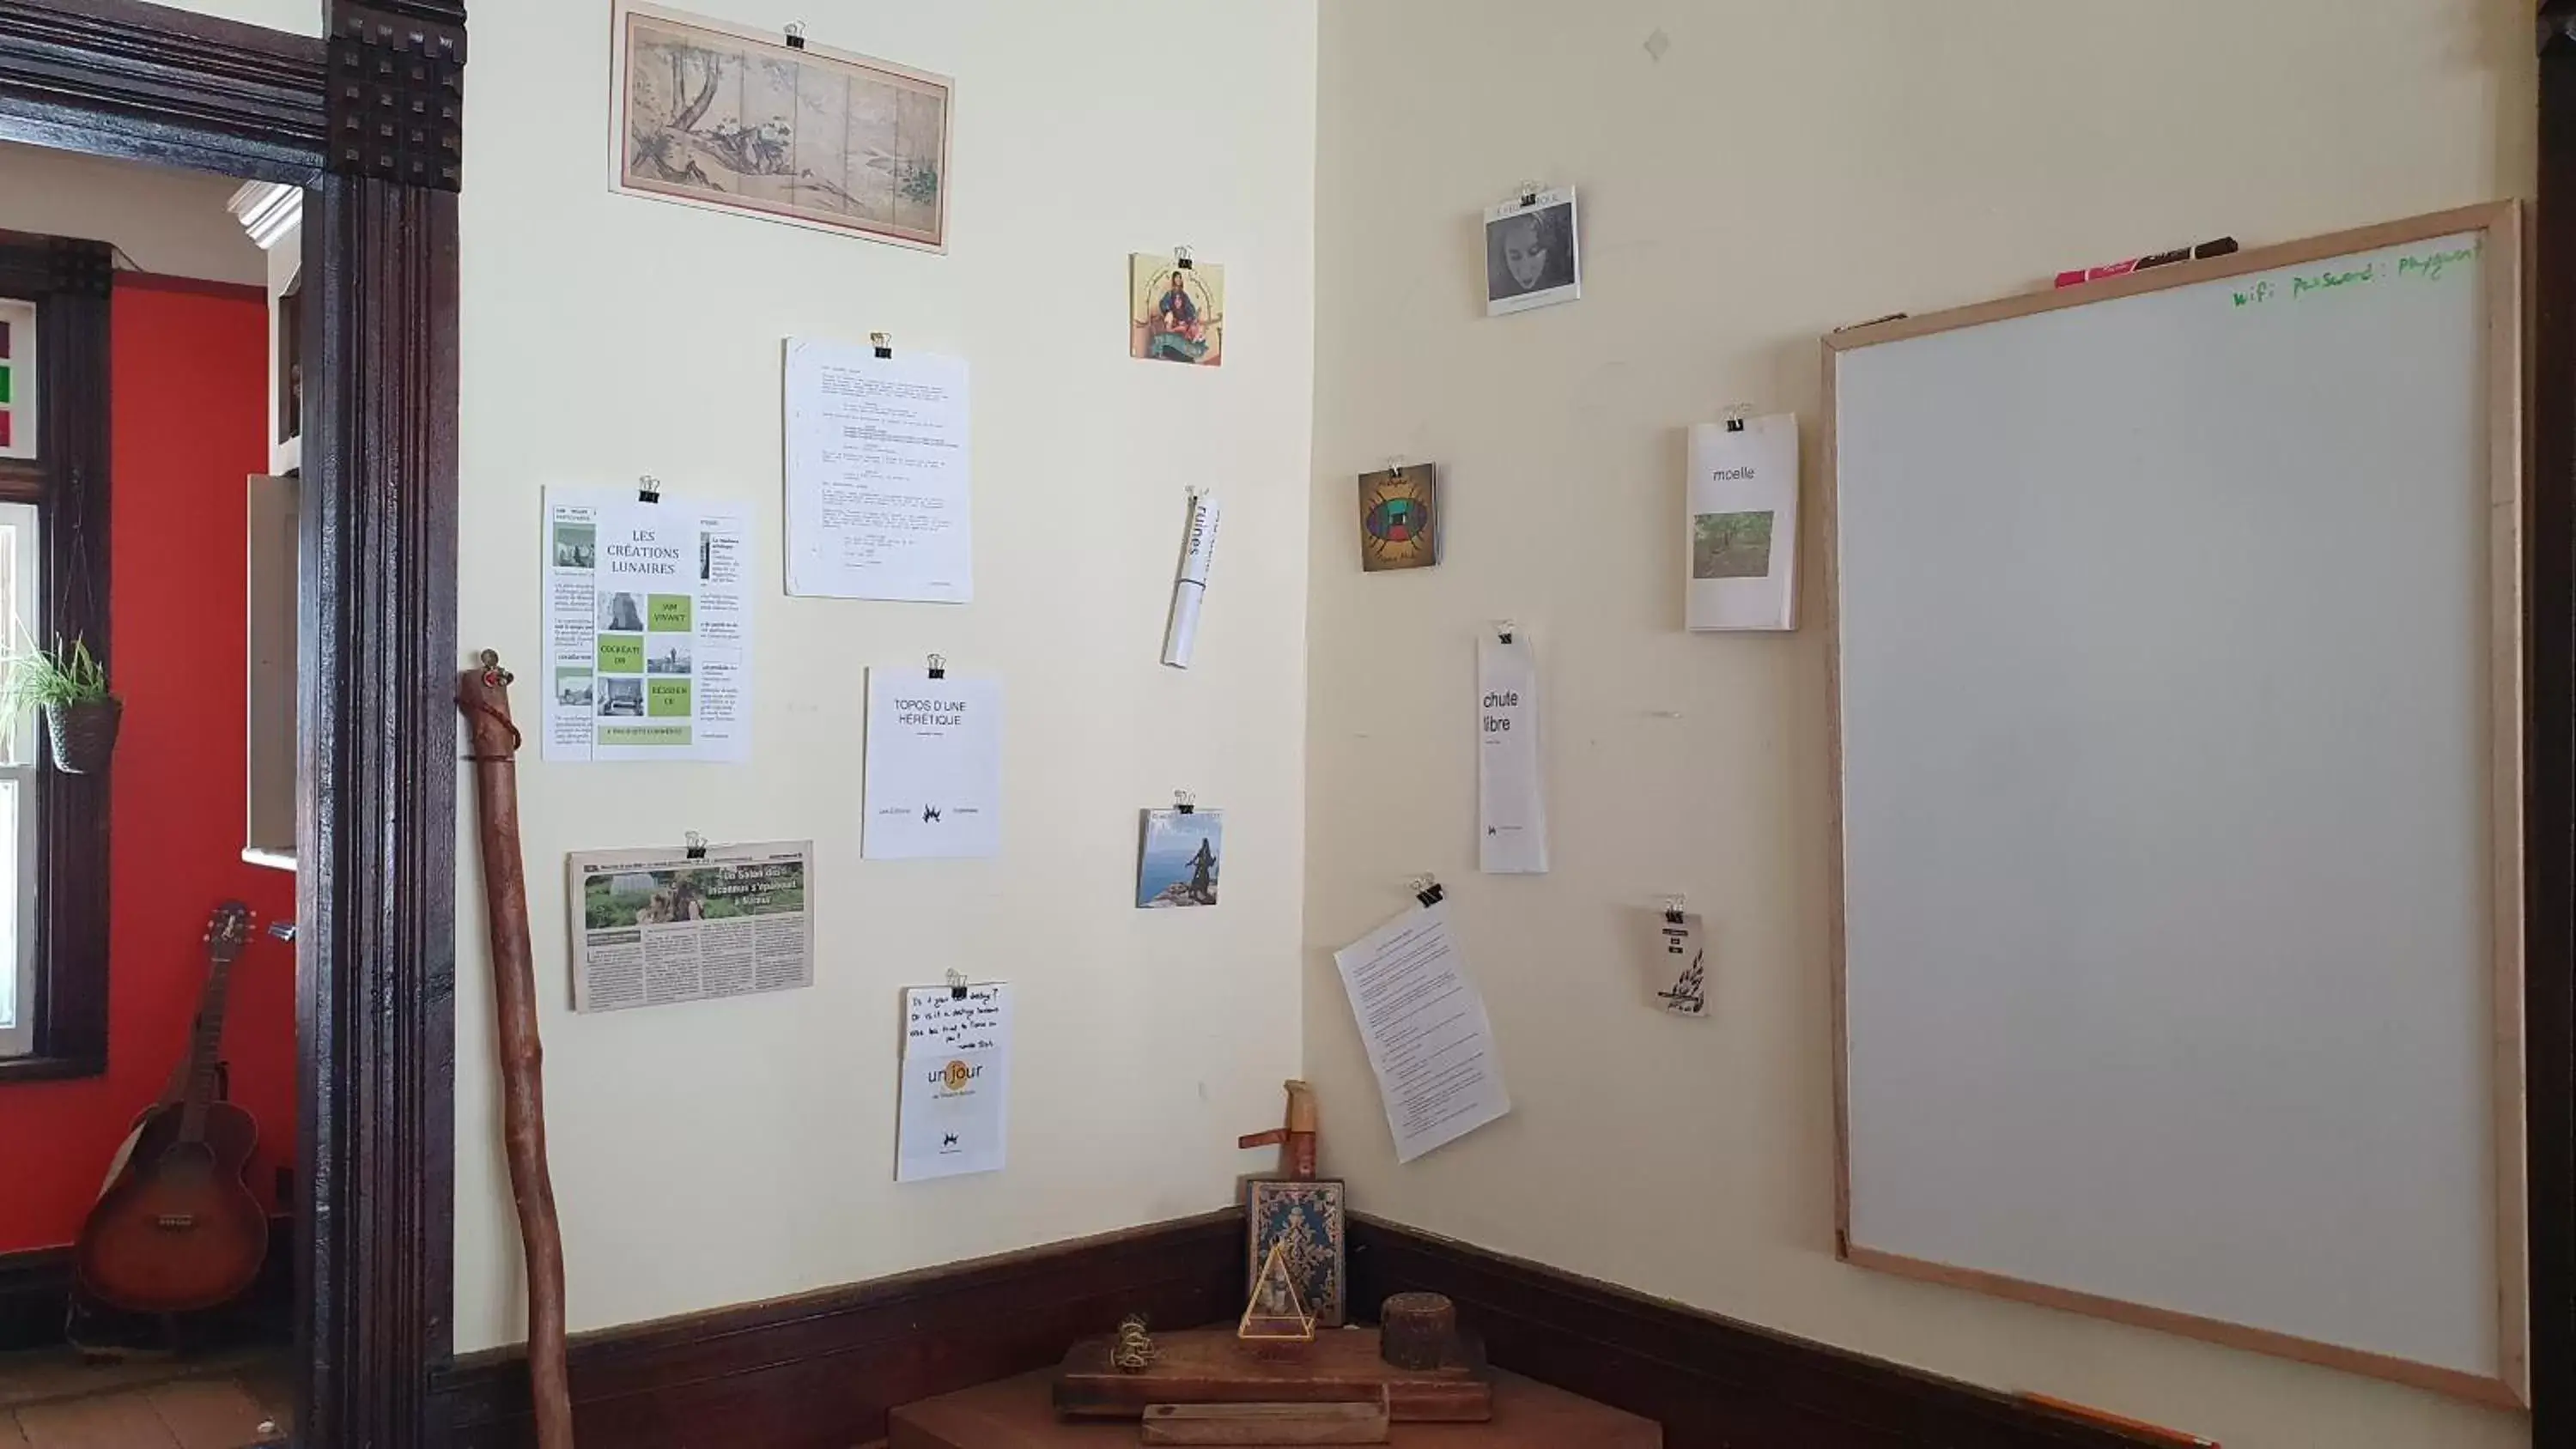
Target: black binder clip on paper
1505, 629
1181, 258
956, 985
1529, 192
648, 489
697, 846
1184, 802
1673, 909
939, 666
1428, 891
883, 342
1735, 417
796, 35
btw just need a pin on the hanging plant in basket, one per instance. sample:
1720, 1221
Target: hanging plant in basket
69, 687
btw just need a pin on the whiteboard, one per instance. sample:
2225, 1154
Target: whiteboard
2177, 630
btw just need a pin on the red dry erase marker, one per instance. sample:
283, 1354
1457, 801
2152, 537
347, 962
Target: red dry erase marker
2219, 248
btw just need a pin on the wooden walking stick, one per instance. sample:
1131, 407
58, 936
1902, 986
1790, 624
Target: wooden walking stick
483, 693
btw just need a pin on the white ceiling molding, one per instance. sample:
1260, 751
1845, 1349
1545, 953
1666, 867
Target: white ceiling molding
268, 210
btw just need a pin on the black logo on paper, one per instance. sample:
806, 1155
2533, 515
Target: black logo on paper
949, 1140
929, 814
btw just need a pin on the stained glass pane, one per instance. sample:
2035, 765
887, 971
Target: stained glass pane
20, 382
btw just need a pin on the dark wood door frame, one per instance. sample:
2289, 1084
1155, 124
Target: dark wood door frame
369, 120
2549, 812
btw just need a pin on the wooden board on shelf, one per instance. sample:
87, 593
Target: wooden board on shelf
1269, 1424
1210, 1366
1014, 1414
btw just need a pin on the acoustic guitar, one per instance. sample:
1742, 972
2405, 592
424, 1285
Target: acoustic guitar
176, 1229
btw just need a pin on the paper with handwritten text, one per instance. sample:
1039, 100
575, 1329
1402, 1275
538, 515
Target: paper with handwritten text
953, 1103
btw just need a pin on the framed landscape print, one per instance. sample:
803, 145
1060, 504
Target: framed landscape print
716, 115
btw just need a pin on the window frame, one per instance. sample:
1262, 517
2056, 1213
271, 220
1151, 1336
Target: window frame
70, 282
24, 524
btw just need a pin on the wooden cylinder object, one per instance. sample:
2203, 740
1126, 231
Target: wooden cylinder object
1302, 1122
1416, 1329
483, 694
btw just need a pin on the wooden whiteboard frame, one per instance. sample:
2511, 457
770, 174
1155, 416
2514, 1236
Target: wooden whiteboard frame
2507, 564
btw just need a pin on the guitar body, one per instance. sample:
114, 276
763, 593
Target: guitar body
176, 1230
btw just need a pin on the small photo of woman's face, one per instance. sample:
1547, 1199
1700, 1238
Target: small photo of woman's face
1524, 251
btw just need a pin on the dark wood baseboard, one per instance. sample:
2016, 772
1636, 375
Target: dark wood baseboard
36, 1291
821, 1370
1713, 1383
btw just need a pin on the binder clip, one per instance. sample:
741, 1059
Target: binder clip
1504, 629
1395, 466
956, 984
1184, 802
883, 342
1181, 258
939, 666
1529, 191
697, 846
795, 35
1426, 890
648, 489
1673, 909
1735, 417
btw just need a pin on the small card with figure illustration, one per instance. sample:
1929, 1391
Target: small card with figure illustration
1175, 310
1182, 859
1679, 975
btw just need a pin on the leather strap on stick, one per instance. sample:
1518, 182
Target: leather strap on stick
483, 693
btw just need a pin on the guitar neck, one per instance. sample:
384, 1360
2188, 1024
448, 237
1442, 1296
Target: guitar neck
205, 1047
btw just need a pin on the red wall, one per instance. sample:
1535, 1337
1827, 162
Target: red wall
188, 395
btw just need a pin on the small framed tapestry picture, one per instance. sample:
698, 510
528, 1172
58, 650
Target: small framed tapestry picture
717, 115
1307, 1217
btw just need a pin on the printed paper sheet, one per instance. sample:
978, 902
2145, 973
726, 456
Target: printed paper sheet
648, 628
1511, 799
879, 504
1428, 1041
934, 766
953, 1106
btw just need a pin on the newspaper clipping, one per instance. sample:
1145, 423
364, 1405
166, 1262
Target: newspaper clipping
653, 927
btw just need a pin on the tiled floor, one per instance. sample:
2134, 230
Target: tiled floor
53, 1401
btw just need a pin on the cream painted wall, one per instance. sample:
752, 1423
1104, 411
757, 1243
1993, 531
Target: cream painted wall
1788, 166
712, 1154
166, 220
302, 17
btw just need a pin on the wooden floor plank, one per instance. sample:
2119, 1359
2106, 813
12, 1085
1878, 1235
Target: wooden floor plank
10, 1438
209, 1414
115, 1421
